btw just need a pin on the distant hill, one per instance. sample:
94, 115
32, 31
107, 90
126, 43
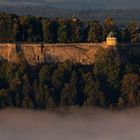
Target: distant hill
121, 10
94, 4
78, 4
21, 2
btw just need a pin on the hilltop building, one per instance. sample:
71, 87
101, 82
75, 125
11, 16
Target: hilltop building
111, 40
75, 19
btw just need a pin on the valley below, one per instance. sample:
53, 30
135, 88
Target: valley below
77, 124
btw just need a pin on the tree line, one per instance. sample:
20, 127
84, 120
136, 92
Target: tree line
121, 15
15, 28
110, 82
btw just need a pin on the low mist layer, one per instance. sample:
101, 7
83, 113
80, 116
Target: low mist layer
88, 124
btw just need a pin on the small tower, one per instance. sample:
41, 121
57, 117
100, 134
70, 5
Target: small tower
111, 40
74, 19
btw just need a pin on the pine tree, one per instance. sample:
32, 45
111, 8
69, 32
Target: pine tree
68, 95
42, 96
131, 88
109, 26
62, 31
133, 32
95, 32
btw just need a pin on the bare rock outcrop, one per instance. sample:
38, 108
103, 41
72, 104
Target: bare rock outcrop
49, 53
8, 51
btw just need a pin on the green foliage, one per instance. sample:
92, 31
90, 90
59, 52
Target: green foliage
57, 79
67, 84
95, 32
68, 95
133, 32
107, 65
92, 91
62, 34
48, 86
49, 31
44, 75
124, 35
109, 26
29, 29
76, 32
131, 88
42, 96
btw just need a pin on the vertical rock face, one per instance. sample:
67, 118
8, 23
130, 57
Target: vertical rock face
49, 53
33, 53
8, 52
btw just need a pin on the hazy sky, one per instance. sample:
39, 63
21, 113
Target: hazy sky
81, 4
92, 124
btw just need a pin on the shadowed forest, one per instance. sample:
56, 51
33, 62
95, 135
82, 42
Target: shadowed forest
110, 82
27, 29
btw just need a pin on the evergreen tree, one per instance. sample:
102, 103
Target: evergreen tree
27, 93
107, 64
42, 96
131, 88
44, 75
62, 31
46, 24
92, 92
95, 32
51, 104
133, 32
109, 26
57, 79
76, 31
68, 95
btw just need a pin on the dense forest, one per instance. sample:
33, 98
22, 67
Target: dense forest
110, 82
113, 80
15, 28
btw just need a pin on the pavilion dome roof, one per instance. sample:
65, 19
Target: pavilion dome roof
111, 34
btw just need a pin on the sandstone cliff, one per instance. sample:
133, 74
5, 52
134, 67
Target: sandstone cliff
49, 53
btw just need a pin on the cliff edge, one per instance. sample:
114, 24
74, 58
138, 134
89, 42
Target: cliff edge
49, 53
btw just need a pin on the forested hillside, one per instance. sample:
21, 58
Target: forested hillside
108, 83
112, 81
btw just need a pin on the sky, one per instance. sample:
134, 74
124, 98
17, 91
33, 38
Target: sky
80, 4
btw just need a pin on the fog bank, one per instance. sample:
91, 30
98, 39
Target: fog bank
86, 124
